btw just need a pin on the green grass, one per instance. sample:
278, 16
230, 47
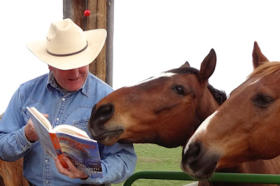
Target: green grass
156, 158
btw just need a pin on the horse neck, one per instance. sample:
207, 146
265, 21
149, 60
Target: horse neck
207, 105
256, 167
271, 166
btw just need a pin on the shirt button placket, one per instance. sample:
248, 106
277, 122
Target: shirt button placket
63, 99
46, 171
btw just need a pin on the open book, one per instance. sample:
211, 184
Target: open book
67, 140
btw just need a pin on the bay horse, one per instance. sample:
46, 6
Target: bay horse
163, 110
243, 134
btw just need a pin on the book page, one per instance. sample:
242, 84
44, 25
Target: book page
43, 133
43, 120
72, 130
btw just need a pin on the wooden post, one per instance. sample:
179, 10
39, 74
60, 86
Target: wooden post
101, 17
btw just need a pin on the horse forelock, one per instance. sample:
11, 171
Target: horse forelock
265, 69
185, 70
169, 73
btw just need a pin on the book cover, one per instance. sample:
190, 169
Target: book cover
66, 140
83, 153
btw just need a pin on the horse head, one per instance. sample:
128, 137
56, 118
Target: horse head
164, 110
244, 128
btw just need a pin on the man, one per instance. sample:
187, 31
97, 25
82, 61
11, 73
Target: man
66, 94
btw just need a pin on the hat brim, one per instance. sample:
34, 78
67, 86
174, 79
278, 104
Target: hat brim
95, 38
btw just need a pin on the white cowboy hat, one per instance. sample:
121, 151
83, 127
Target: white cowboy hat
67, 46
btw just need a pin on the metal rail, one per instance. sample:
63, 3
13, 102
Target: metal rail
217, 177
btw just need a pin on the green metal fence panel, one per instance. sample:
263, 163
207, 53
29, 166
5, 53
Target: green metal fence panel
217, 177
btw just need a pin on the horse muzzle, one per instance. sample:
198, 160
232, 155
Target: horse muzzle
198, 162
97, 124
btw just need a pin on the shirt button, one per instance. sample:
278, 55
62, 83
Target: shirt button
57, 119
46, 160
47, 182
63, 99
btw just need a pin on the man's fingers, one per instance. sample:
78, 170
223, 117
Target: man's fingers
69, 163
71, 171
61, 169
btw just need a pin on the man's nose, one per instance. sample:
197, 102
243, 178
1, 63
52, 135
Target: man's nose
74, 72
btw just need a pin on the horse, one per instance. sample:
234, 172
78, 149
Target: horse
163, 110
244, 131
11, 173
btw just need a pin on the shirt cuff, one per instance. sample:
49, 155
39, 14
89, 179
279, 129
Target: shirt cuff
25, 144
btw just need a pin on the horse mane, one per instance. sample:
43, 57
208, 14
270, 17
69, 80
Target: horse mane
219, 96
265, 69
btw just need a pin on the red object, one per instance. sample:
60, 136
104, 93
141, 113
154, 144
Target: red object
86, 13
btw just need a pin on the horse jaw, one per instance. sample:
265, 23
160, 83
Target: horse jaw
104, 133
107, 137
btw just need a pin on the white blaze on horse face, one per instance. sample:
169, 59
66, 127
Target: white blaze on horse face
201, 128
255, 81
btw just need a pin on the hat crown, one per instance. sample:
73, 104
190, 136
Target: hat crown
65, 37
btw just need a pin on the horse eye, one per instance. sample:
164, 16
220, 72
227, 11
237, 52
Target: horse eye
179, 89
262, 100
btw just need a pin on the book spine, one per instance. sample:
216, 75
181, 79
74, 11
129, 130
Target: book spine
57, 148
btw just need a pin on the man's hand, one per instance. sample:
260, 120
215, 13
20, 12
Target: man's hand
30, 132
71, 171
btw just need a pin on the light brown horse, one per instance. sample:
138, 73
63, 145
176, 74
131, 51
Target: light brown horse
244, 129
164, 110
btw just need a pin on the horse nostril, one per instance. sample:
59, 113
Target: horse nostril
192, 154
104, 110
103, 113
194, 149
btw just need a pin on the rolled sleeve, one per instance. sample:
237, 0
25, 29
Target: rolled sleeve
14, 145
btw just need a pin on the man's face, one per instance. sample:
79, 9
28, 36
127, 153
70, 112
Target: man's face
70, 80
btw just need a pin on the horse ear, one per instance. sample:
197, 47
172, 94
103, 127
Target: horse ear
258, 57
208, 65
185, 65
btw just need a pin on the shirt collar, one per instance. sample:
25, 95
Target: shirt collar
52, 83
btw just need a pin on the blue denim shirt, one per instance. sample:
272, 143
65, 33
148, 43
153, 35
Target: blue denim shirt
74, 108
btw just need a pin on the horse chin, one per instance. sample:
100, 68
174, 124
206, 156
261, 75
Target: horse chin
203, 173
109, 137
202, 168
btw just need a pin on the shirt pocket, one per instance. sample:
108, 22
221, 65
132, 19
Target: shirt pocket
82, 124
79, 118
